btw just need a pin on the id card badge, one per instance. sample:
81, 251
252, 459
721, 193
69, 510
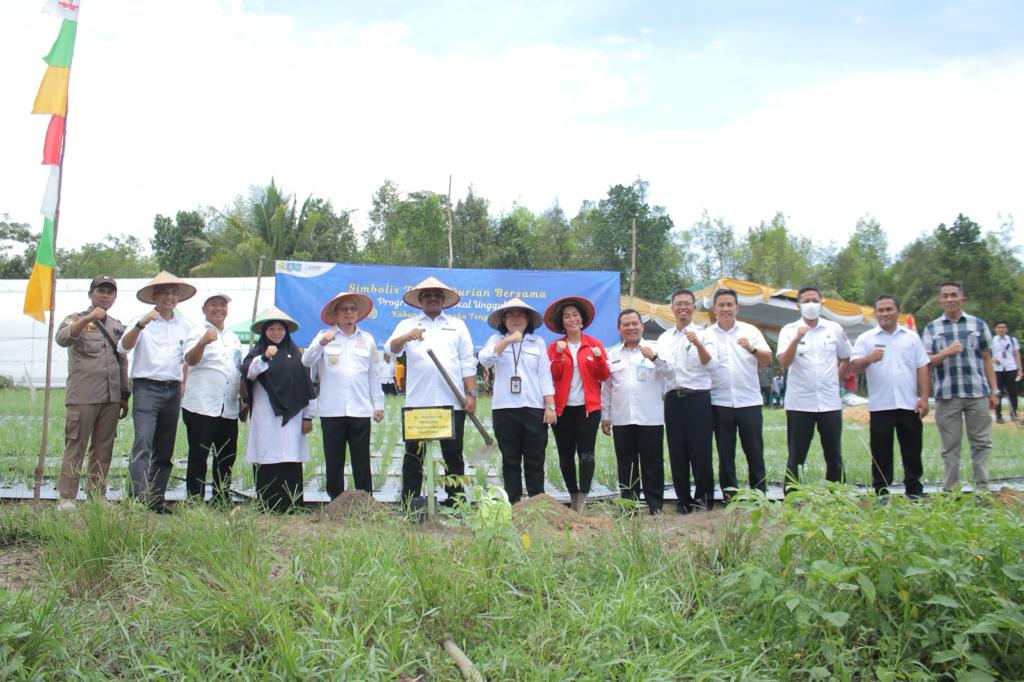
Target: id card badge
515, 385
641, 372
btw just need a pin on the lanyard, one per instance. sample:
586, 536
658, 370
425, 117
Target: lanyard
515, 358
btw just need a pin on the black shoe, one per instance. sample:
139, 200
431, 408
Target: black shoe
163, 508
682, 508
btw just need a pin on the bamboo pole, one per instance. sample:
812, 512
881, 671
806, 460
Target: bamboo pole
632, 271
451, 251
38, 478
462, 662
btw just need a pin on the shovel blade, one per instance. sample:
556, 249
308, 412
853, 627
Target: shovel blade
485, 451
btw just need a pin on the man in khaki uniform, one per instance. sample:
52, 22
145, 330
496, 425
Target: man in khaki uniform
97, 391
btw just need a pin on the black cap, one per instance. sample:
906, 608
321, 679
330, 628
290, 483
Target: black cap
103, 279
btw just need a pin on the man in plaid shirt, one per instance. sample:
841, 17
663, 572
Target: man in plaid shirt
960, 349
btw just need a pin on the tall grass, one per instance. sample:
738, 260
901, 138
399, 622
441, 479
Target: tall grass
826, 585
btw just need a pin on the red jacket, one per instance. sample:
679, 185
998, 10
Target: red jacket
593, 370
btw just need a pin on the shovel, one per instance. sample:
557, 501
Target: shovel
487, 448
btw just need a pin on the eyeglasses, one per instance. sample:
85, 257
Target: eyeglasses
347, 309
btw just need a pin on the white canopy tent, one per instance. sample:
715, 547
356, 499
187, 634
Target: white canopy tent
24, 339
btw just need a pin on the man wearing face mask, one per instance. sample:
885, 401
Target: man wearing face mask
816, 353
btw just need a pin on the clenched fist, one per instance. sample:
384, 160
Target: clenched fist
270, 352
560, 346
209, 337
326, 337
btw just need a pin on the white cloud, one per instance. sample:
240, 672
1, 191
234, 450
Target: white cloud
170, 110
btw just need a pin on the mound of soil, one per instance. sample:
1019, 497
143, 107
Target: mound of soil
354, 504
544, 512
1009, 497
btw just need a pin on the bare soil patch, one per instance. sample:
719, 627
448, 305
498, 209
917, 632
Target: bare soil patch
19, 565
545, 514
354, 504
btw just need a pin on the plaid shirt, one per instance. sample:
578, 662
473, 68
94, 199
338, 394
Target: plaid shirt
961, 375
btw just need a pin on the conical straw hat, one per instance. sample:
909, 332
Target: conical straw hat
273, 314
451, 297
185, 290
495, 319
363, 305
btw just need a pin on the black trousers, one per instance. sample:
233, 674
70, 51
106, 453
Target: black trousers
576, 432
688, 425
279, 486
522, 438
800, 431
353, 432
640, 454
205, 435
454, 464
1007, 384
748, 421
907, 427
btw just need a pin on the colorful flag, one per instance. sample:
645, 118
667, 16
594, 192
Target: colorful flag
40, 283
52, 99
65, 9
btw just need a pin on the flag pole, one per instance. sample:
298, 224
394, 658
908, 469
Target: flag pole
38, 482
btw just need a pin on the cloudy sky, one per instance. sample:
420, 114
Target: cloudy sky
910, 111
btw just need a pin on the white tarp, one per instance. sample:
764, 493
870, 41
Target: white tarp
24, 339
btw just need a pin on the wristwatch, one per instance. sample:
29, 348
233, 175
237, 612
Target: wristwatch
474, 393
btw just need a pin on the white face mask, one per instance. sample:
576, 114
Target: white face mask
810, 310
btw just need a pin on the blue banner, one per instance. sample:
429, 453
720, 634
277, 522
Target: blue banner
302, 289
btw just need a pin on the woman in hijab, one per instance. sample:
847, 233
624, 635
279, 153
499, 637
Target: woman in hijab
282, 398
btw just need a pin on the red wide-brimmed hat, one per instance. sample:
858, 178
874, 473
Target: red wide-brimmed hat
553, 314
363, 305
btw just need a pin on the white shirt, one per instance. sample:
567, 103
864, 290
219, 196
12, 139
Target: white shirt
269, 441
534, 371
812, 383
576, 395
892, 381
448, 336
159, 348
634, 390
735, 382
682, 368
1004, 353
349, 376
212, 385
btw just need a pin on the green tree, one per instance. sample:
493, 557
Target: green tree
327, 236
17, 249
472, 237
606, 230
859, 271
512, 240
118, 256
178, 244
552, 244
773, 256
379, 249
270, 225
711, 248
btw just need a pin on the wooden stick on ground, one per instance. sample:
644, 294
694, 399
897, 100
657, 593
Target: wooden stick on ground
462, 662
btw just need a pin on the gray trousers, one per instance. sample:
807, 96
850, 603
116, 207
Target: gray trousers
155, 414
950, 416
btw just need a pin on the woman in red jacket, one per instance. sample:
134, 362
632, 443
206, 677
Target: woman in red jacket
578, 366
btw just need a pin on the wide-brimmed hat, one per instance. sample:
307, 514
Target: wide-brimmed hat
553, 314
497, 316
451, 297
363, 305
185, 290
273, 314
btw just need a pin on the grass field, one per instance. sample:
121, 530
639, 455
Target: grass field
826, 586
21, 419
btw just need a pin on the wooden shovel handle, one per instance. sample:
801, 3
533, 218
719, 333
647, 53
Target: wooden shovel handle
461, 398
